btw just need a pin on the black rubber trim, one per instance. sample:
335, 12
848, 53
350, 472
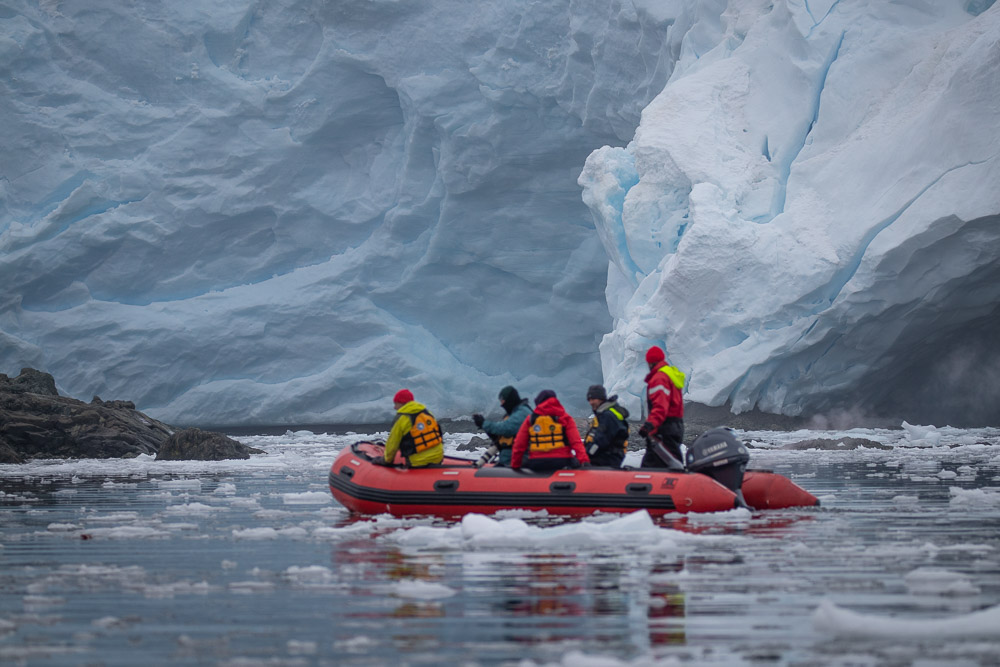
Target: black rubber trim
501, 498
562, 487
347, 472
447, 485
638, 489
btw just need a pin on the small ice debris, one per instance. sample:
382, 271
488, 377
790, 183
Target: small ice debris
422, 590
193, 508
263, 533
832, 619
936, 581
228, 564
974, 498
905, 501
307, 498
251, 586
61, 527
179, 484
924, 436
299, 647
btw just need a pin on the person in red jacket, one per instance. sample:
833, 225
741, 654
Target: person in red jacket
664, 399
548, 438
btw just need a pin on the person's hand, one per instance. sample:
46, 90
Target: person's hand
585, 464
380, 462
479, 420
646, 429
574, 462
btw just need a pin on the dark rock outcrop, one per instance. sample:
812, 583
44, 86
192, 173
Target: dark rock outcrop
36, 422
193, 444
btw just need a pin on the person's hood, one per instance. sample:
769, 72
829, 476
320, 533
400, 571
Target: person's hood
550, 406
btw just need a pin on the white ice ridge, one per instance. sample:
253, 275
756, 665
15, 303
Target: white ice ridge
808, 216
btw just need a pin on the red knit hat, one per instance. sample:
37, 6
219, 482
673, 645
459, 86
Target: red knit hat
655, 355
403, 396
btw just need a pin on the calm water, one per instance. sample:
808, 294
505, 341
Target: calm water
252, 562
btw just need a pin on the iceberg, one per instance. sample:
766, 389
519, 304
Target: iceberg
807, 217
248, 214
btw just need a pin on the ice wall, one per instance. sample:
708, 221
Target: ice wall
808, 216
248, 212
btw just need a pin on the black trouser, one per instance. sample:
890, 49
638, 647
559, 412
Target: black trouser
671, 432
609, 458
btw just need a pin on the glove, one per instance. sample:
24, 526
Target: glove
585, 465
574, 462
479, 420
380, 462
646, 429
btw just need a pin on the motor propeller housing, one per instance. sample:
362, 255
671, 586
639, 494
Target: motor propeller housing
719, 454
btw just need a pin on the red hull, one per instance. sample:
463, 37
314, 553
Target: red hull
456, 488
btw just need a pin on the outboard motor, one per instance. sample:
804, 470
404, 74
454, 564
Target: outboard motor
720, 455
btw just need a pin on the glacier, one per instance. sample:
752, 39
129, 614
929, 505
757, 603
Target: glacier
808, 216
243, 213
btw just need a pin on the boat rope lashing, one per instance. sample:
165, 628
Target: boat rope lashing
545, 434
424, 433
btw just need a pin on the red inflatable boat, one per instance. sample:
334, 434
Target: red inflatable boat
455, 488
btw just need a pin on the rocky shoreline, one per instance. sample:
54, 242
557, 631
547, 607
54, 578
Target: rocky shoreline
36, 422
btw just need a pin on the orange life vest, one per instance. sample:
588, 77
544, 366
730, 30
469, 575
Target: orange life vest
424, 434
546, 434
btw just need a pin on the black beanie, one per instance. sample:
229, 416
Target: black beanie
597, 391
543, 395
511, 399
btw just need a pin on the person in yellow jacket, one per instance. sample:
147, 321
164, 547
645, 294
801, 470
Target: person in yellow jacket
415, 433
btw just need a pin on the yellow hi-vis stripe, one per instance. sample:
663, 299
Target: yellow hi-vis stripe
676, 376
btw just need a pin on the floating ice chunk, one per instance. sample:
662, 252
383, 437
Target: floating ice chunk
307, 498
830, 618
179, 483
111, 484
422, 590
974, 498
936, 581
923, 436
906, 501
250, 586
128, 532
61, 527
263, 533
228, 564
309, 573
225, 489
194, 508
299, 647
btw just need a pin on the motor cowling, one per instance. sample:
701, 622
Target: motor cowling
719, 454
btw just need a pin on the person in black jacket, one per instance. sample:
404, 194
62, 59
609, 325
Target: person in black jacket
607, 438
